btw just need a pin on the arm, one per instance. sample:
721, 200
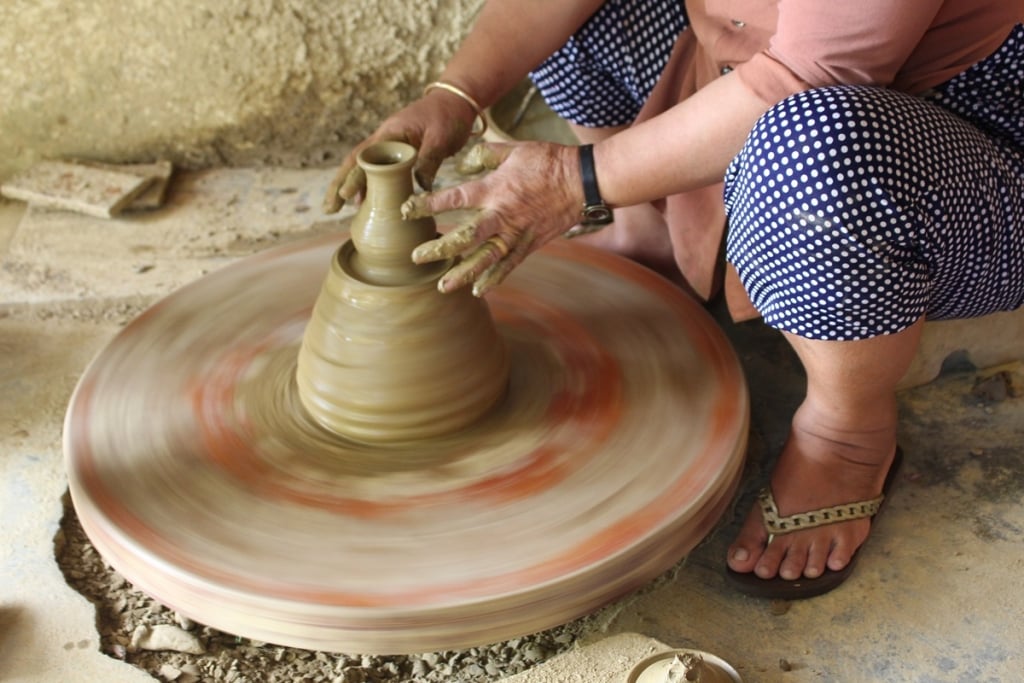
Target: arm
493, 58
535, 193
509, 39
687, 147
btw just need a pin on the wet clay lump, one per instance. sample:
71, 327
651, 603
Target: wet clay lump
385, 356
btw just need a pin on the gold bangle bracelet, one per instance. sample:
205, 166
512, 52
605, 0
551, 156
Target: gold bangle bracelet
467, 98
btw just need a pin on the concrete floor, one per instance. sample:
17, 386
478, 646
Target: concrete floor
936, 597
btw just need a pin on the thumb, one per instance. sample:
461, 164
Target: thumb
426, 167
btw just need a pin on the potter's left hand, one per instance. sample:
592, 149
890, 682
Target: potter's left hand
532, 196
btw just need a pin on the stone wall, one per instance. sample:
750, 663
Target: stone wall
208, 82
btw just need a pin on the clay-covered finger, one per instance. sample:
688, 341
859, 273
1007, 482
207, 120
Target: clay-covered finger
354, 185
496, 274
332, 201
466, 272
448, 246
485, 156
416, 206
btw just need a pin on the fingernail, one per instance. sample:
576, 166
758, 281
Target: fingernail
425, 254
425, 181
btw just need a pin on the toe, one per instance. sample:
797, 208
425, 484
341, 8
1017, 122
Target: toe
817, 556
840, 555
795, 561
771, 559
745, 552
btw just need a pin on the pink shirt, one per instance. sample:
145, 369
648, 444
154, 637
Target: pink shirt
781, 47
908, 45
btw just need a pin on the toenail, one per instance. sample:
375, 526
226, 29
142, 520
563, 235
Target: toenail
740, 555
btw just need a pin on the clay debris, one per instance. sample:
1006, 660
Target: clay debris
136, 629
91, 188
165, 637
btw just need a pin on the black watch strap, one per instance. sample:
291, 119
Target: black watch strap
595, 211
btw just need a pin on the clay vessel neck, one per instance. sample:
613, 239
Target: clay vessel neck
383, 239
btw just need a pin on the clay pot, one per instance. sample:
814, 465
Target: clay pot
385, 356
680, 666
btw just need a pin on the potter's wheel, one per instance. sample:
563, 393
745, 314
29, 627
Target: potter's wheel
197, 476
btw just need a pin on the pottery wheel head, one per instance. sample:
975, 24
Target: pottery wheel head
613, 449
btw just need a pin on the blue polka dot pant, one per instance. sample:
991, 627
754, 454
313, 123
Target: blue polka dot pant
606, 72
854, 211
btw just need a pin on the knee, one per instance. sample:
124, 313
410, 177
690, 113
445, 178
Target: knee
803, 145
820, 156
814, 208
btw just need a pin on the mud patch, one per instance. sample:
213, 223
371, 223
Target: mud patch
980, 416
963, 433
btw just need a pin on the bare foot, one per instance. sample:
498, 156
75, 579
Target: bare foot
820, 466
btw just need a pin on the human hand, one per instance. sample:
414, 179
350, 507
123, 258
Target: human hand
532, 196
437, 125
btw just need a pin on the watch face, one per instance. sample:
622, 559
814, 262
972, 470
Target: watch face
596, 214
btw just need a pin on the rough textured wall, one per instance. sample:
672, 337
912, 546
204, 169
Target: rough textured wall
206, 82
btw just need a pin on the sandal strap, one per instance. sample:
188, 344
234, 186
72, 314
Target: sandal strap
776, 524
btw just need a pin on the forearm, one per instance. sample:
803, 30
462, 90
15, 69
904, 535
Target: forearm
687, 147
509, 38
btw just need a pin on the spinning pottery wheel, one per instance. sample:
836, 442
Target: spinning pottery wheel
199, 475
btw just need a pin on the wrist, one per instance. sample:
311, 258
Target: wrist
446, 88
595, 213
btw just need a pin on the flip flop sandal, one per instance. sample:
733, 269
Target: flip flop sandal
778, 588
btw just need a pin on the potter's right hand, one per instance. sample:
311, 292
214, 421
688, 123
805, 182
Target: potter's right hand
532, 196
438, 125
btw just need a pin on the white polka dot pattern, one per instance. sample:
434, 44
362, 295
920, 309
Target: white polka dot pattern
854, 210
605, 73
990, 93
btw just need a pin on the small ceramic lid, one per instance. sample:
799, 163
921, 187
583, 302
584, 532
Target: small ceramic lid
683, 666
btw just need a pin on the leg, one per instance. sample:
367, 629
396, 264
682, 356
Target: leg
846, 258
839, 450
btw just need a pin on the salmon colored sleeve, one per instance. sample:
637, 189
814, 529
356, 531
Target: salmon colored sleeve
857, 42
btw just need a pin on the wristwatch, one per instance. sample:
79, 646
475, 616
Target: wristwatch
595, 212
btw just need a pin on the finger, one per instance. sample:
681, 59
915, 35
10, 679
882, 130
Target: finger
416, 206
482, 258
355, 184
485, 156
497, 273
439, 143
448, 246
426, 167
432, 203
332, 201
